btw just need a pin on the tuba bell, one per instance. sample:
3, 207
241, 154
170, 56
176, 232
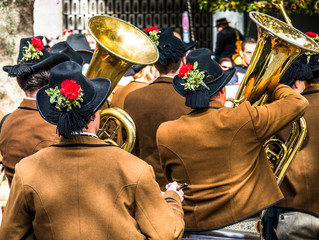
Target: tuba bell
278, 46
119, 45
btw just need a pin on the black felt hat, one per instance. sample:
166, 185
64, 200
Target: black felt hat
299, 70
170, 47
78, 42
45, 61
94, 91
87, 57
134, 70
221, 21
64, 48
215, 79
314, 65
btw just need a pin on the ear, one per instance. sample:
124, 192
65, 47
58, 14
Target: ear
184, 60
222, 91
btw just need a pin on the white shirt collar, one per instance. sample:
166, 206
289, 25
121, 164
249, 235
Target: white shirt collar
167, 76
85, 133
29, 98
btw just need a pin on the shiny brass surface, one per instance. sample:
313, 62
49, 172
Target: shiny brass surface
280, 4
278, 46
294, 142
119, 45
118, 118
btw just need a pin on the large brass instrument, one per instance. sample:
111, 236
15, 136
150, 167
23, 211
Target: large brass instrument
119, 46
278, 46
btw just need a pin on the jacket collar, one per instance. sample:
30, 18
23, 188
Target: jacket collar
311, 89
81, 139
212, 105
163, 79
28, 104
216, 104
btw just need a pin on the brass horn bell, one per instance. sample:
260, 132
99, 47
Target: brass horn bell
278, 46
119, 45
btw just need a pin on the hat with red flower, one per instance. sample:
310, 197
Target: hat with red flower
200, 78
314, 36
70, 99
153, 32
170, 47
33, 56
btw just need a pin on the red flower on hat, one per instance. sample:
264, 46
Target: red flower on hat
311, 34
152, 28
70, 89
66, 30
185, 69
37, 42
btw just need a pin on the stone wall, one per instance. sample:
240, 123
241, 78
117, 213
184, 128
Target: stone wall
16, 21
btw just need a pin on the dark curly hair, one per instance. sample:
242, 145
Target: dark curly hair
169, 67
35, 81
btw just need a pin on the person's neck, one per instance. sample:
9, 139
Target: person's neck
171, 75
310, 84
219, 97
218, 100
31, 94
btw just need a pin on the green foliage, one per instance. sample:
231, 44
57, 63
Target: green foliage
154, 36
294, 6
61, 101
31, 53
194, 78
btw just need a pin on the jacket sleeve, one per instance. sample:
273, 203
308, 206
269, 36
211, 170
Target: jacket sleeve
159, 217
17, 217
220, 44
287, 108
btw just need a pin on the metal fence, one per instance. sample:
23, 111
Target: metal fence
141, 13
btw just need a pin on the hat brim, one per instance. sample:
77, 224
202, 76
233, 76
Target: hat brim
226, 22
214, 86
190, 45
20, 70
101, 86
86, 55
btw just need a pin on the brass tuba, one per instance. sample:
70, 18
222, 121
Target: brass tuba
278, 46
119, 45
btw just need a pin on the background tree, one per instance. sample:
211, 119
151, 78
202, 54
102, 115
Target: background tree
294, 6
16, 21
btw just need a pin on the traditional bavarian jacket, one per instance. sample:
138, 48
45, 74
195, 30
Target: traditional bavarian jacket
149, 107
219, 152
23, 133
83, 188
300, 186
120, 95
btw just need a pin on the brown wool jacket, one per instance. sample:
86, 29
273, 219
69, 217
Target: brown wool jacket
300, 186
219, 152
23, 133
85, 189
149, 107
120, 95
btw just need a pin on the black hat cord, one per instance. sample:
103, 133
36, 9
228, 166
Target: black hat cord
72, 121
168, 52
200, 97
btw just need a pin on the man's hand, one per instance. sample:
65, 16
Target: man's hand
172, 187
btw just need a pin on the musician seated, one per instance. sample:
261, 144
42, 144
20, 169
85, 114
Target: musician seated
219, 151
18, 138
83, 188
299, 218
